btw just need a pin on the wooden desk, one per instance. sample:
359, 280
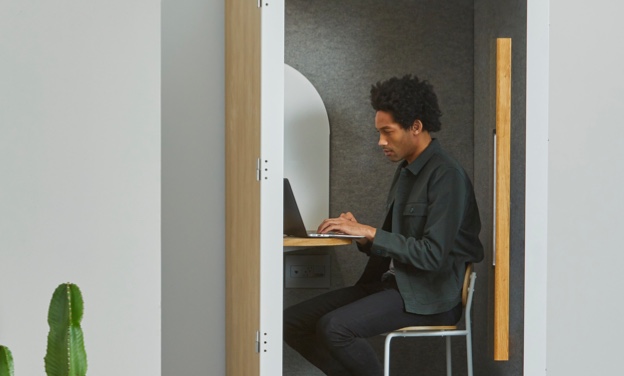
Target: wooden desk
291, 241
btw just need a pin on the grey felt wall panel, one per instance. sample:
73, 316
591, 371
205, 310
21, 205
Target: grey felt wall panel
494, 19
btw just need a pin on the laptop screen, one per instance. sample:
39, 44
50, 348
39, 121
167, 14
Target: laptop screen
293, 223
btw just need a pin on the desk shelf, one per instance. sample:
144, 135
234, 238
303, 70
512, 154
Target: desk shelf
291, 241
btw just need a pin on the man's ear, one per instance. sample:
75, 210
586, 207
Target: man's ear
417, 127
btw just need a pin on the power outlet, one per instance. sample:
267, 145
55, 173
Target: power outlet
307, 271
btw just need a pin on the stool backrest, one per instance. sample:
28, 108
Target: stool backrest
469, 269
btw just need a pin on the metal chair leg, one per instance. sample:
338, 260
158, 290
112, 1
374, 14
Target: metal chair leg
387, 354
449, 358
469, 352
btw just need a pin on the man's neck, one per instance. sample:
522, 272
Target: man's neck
421, 143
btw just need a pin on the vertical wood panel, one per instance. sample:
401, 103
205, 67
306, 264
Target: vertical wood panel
242, 92
503, 196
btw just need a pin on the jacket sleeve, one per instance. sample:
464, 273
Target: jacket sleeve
427, 246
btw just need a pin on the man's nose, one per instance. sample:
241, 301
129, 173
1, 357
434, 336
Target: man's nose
382, 141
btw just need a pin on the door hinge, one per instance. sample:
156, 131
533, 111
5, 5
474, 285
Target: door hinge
259, 3
262, 171
258, 341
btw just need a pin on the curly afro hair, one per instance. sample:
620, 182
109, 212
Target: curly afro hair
408, 99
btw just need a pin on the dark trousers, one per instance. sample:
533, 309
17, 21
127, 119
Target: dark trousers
330, 330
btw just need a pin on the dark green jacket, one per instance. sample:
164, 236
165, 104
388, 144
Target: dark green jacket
434, 232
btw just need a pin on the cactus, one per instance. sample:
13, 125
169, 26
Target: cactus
66, 354
6, 362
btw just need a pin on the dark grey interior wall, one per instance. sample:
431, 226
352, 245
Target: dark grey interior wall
504, 19
343, 47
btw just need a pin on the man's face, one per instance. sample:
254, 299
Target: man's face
397, 143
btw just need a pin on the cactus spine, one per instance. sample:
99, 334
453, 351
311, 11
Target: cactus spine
6, 362
66, 354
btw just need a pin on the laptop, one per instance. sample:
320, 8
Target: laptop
293, 223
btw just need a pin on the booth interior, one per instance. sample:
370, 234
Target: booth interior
342, 48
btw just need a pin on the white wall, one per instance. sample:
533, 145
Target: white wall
536, 189
585, 250
193, 126
80, 177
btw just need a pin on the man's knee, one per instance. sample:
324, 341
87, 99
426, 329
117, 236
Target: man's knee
332, 330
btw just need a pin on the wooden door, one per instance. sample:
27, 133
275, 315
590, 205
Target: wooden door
254, 170
242, 189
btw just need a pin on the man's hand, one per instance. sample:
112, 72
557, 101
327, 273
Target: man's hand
347, 224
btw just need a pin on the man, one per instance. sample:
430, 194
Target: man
417, 257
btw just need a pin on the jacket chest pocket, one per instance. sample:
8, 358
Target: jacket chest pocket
414, 218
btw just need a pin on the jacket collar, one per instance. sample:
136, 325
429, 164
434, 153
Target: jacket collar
423, 158
413, 168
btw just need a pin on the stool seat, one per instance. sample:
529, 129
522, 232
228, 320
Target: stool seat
424, 328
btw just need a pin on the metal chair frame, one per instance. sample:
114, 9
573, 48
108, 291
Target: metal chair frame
442, 331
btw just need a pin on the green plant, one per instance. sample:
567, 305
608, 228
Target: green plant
6, 361
66, 354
